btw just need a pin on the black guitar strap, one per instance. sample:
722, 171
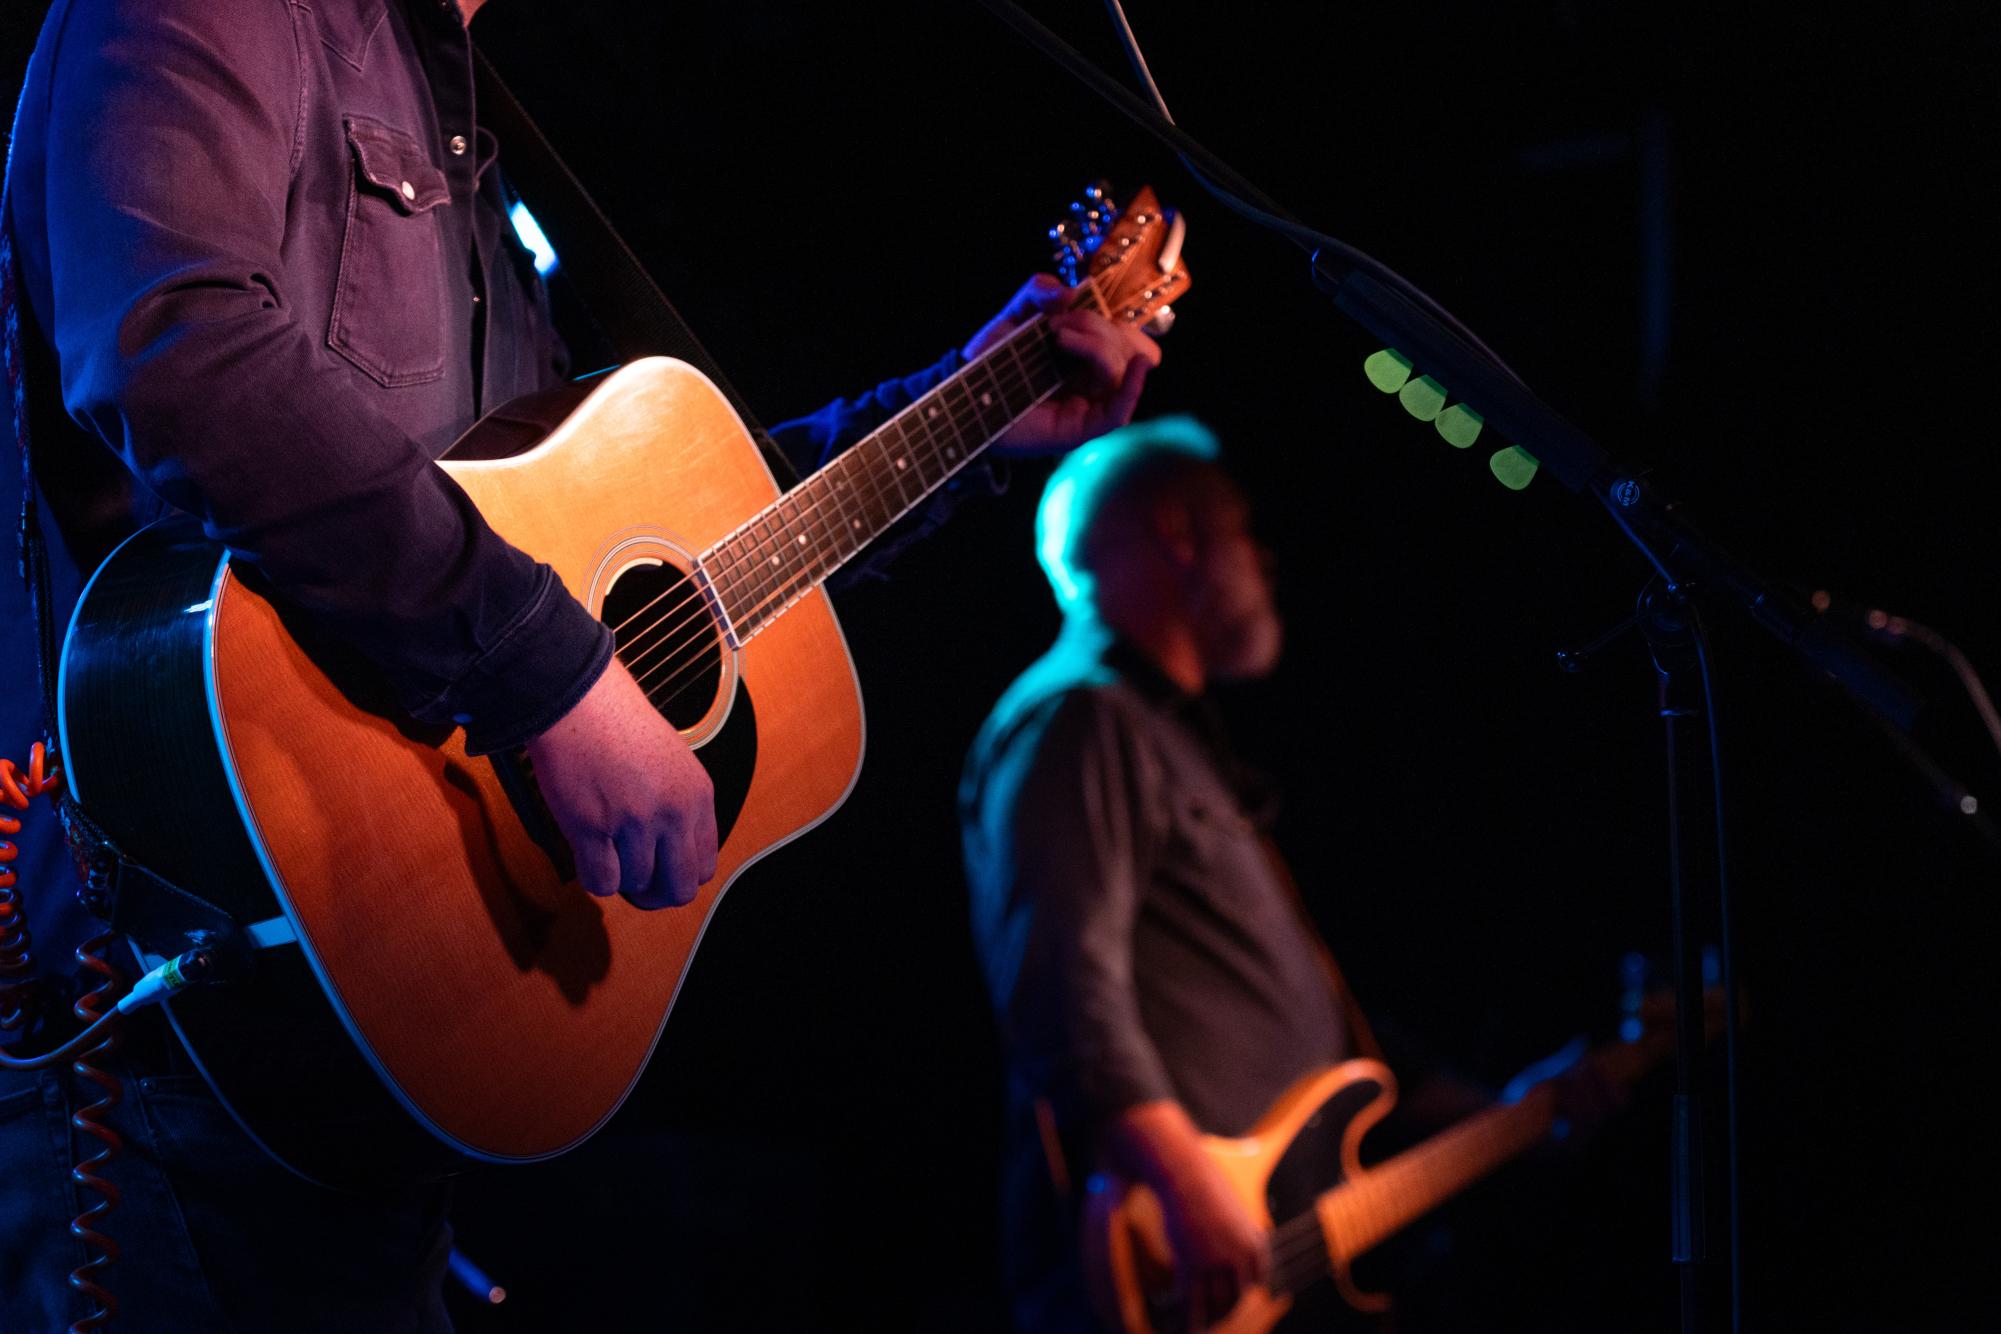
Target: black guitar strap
627, 305
164, 916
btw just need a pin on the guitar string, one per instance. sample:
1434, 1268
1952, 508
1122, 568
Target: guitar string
813, 520
733, 572
962, 414
793, 587
1088, 288
1012, 376
783, 595
721, 572
1088, 291
965, 419
817, 515
809, 512
691, 652
813, 523
1368, 1202
1302, 1250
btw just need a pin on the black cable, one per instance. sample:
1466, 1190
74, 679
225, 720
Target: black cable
1726, 948
1221, 180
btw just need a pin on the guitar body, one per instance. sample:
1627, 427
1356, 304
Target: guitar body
429, 986
449, 994
1127, 1258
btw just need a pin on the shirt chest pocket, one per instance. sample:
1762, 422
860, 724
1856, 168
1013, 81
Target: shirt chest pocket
390, 299
1210, 836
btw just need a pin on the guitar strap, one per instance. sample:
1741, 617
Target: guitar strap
164, 917
1359, 1033
624, 301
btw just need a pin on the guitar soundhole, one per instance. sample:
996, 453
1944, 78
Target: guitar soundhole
669, 640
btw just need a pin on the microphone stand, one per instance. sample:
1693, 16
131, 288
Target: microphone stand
1685, 564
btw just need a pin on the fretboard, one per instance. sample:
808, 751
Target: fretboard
1361, 1213
812, 530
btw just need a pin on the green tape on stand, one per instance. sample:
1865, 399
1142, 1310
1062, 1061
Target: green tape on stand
1514, 467
1422, 398
1387, 370
1460, 425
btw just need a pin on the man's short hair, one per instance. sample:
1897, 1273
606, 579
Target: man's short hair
1116, 464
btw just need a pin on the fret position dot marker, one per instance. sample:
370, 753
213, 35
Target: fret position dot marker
986, 399
900, 464
802, 539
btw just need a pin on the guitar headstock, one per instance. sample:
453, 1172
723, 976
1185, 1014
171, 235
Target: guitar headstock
1128, 259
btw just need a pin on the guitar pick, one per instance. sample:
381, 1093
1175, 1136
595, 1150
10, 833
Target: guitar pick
1387, 370
1422, 398
1460, 425
1514, 467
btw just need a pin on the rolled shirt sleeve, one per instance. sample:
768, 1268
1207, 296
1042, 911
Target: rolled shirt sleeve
172, 139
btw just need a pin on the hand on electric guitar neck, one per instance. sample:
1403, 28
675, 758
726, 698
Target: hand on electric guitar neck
1109, 364
628, 793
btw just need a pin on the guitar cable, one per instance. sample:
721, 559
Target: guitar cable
102, 1009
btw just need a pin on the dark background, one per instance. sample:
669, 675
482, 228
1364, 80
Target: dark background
1745, 246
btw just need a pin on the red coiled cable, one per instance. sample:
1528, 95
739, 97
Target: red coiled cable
90, 1120
17, 788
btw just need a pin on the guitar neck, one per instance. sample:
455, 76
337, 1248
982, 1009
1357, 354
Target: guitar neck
815, 528
1360, 1214
1374, 1205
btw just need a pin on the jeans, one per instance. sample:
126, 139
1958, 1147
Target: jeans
214, 1235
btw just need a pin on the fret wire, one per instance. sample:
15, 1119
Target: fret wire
781, 596
897, 452
926, 437
748, 540
1027, 350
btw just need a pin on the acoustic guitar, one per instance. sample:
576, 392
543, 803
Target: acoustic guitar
430, 986
1129, 1265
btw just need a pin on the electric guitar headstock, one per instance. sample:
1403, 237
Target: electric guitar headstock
1127, 261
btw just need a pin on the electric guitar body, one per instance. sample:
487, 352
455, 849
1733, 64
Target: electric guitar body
1127, 1257
431, 986
1129, 1265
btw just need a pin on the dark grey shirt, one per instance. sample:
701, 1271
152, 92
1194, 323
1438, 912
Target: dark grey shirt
1136, 939
1135, 935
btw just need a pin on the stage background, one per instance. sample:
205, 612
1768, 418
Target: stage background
1744, 245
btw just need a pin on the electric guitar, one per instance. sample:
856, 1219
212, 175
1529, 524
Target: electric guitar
429, 986
1129, 1265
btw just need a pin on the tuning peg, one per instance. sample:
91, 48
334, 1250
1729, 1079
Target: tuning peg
1162, 321
1068, 254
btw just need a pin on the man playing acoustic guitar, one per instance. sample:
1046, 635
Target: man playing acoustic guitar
263, 254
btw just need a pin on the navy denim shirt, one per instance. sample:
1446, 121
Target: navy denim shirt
265, 258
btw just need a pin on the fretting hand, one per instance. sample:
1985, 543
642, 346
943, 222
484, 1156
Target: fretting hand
1107, 365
